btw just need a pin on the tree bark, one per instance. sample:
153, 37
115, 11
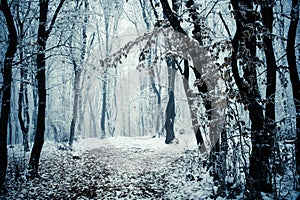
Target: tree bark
248, 88
23, 109
270, 126
6, 88
294, 76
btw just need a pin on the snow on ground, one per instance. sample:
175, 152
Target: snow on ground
147, 143
136, 154
115, 168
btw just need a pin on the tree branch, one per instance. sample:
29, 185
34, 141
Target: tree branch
55, 17
154, 10
175, 23
226, 26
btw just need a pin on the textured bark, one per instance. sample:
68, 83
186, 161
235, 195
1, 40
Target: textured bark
23, 110
294, 76
104, 101
6, 88
249, 91
75, 105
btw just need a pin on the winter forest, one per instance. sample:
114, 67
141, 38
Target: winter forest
149, 99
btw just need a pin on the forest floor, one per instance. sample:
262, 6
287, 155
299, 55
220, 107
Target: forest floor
115, 168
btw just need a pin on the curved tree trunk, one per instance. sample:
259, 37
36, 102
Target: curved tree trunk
248, 88
6, 88
294, 76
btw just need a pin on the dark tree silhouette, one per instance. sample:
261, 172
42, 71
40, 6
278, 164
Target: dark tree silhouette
244, 51
294, 76
6, 88
43, 35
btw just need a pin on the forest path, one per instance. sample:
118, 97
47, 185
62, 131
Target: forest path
137, 154
112, 168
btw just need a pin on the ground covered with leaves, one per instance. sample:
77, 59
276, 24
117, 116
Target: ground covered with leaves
110, 171
114, 170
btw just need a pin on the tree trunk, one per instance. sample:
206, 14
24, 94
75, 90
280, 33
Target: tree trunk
41, 79
175, 23
294, 76
170, 110
75, 105
23, 110
6, 88
43, 35
23, 113
248, 88
103, 112
270, 126
35, 109
193, 110
78, 71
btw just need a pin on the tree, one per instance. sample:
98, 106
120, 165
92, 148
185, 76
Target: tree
43, 35
270, 125
170, 110
244, 56
78, 71
23, 109
6, 87
294, 76
175, 23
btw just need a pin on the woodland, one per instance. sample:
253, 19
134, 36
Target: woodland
149, 99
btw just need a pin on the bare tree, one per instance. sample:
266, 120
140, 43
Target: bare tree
78, 71
294, 76
43, 35
6, 87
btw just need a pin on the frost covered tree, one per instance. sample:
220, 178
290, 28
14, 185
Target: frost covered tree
78, 66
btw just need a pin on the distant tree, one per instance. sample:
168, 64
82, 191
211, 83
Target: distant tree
6, 87
23, 107
78, 67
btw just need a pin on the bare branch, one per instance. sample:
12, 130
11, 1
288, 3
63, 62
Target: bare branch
55, 16
226, 26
